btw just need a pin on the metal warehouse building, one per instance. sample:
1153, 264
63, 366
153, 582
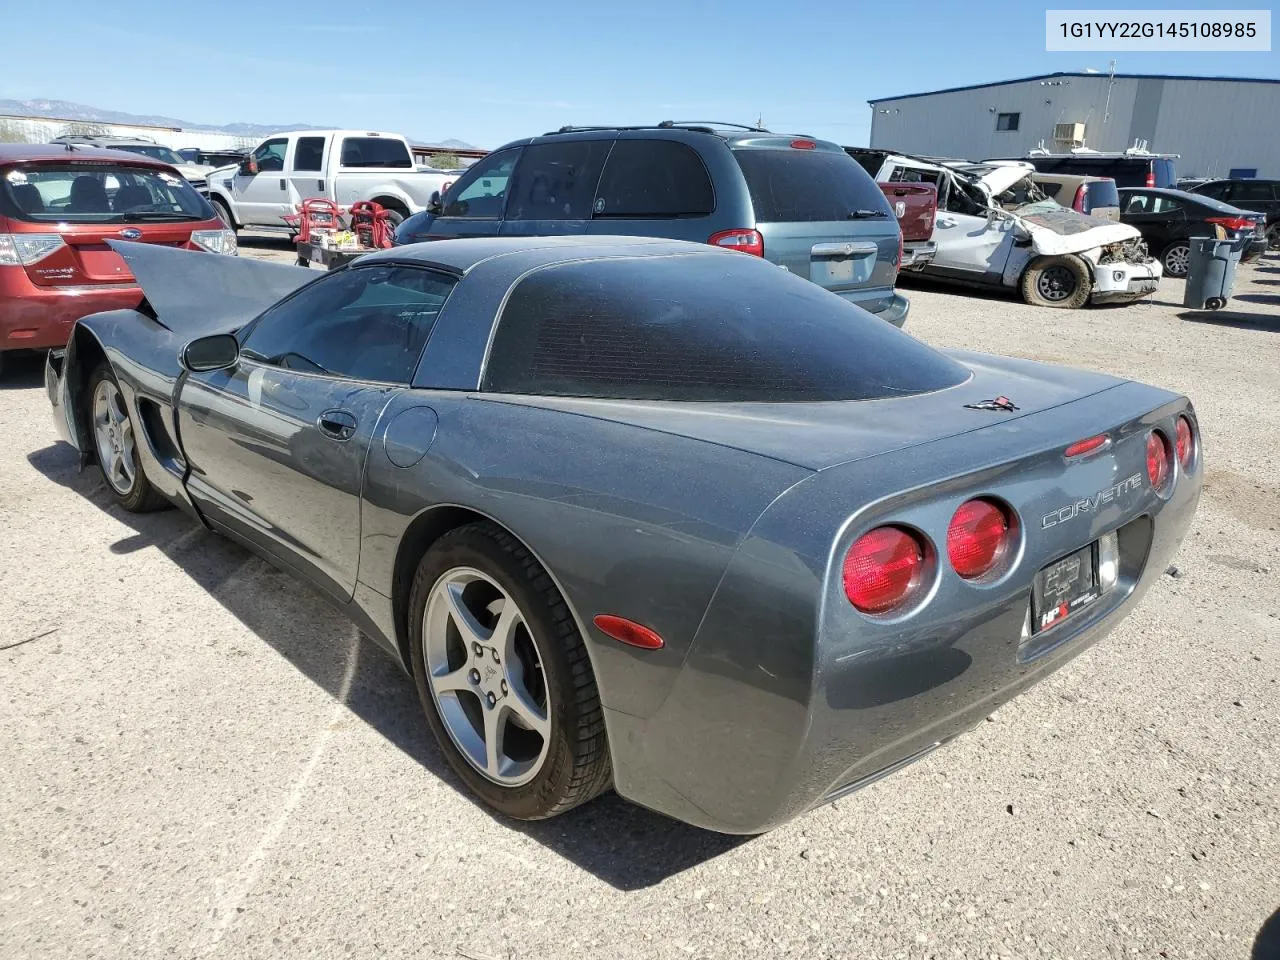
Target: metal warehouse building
1219, 126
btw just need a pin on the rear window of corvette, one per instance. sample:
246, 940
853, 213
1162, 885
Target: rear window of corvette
710, 327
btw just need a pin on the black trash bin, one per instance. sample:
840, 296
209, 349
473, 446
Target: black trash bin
1211, 273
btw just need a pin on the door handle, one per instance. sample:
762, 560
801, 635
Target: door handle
282, 185
843, 249
337, 424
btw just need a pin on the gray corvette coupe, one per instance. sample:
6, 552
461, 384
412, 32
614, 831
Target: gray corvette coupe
637, 512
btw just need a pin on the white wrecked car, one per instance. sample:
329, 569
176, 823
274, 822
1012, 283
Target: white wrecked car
995, 228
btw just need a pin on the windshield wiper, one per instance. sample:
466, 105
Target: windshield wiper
867, 215
144, 215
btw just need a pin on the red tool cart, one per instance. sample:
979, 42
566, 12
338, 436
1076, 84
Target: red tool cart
331, 238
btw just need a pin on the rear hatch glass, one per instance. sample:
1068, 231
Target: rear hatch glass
85, 203
704, 327
821, 215
1100, 193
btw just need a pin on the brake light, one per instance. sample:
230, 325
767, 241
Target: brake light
1151, 178
802, 144
1185, 442
27, 248
883, 569
1231, 223
977, 537
1159, 460
1077, 204
1081, 447
628, 631
742, 240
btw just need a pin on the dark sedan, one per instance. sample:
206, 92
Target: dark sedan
1169, 219
1260, 196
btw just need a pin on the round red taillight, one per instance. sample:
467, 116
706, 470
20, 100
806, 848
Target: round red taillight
883, 569
1185, 442
977, 538
1159, 460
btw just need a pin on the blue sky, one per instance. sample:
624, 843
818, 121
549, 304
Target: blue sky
491, 72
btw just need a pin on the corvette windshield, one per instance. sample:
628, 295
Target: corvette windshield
98, 193
703, 326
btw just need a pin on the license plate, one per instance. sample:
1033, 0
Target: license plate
1063, 587
317, 256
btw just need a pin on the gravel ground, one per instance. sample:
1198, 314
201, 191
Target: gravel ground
200, 758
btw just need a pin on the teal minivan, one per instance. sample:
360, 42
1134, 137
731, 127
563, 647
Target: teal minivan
799, 202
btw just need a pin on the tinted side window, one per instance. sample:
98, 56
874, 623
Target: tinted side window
1252, 191
557, 181
481, 192
378, 152
1101, 193
654, 178
270, 156
1216, 190
700, 327
309, 153
789, 185
369, 323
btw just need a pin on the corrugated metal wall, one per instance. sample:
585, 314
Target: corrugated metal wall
1213, 124
42, 130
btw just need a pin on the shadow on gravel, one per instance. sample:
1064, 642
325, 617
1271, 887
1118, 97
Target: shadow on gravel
1233, 318
1264, 298
624, 845
22, 370
1267, 944
265, 241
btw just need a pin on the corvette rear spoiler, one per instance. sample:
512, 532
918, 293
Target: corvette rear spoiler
194, 293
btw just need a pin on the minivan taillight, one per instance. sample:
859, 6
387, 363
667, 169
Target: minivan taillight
742, 240
1151, 177
1082, 195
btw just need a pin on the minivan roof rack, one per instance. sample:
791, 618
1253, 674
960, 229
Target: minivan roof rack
710, 126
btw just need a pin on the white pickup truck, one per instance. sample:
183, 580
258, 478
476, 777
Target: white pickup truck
340, 165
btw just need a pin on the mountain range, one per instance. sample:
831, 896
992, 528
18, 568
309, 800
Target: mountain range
66, 110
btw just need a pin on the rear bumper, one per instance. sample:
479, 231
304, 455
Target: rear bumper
34, 317
1254, 248
891, 309
918, 254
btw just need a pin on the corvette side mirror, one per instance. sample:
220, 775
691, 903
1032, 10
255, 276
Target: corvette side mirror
217, 352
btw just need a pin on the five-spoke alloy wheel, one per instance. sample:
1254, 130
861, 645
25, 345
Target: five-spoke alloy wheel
486, 676
115, 443
503, 675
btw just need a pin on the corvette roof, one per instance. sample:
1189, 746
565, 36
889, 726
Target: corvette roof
462, 255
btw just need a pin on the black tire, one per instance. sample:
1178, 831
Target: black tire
577, 767
1176, 258
140, 496
224, 213
1061, 281
396, 213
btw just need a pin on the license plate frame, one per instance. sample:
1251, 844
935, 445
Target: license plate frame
1063, 588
